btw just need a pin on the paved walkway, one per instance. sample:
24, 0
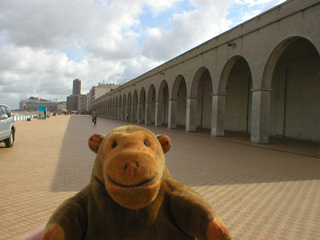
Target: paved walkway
259, 192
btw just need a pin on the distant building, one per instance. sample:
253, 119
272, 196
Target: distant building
98, 91
32, 104
76, 87
73, 101
62, 106
84, 102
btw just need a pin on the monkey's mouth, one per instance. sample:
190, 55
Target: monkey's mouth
134, 185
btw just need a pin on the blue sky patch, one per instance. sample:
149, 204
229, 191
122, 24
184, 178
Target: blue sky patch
163, 20
237, 12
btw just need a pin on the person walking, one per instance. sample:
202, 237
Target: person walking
94, 115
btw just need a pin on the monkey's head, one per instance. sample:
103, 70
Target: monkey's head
131, 163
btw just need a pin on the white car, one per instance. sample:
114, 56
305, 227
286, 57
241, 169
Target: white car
7, 129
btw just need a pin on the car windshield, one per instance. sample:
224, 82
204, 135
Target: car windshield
8, 111
2, 110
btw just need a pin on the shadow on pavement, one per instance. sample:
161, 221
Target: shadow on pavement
194, 159
76, 159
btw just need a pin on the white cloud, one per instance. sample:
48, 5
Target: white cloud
105, 47
44, 45
189, 29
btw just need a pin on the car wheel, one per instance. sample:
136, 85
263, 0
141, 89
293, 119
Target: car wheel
10, 140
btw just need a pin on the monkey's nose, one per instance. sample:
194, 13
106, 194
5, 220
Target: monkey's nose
131, 165
131, 169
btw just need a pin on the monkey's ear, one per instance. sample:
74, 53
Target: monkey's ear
95, 141
165, 142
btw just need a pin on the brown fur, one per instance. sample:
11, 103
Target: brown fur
131, 195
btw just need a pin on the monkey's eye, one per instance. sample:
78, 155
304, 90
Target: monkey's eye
114, 144
146, 143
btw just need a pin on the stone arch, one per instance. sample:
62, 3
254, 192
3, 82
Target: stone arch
236, 83
162, 104
233, 98
151, 105
142, 105
222, 86
134, 113
116, 108
275, 55
107, 104
292, 72
129, 107
124, 110
178, 103
200, 101
196, 81
106, 109
111, 108
120, 108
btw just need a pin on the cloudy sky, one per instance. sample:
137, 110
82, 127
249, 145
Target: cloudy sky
46, 44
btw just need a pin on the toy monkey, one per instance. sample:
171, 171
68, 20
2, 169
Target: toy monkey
131, 196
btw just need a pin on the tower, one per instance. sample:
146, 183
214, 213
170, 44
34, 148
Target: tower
76, 87
73, 101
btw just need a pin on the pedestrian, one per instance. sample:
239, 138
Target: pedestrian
127, 117
94, 115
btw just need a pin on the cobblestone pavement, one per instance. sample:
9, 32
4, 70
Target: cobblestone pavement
261, 192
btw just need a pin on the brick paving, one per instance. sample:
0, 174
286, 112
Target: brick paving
262, 192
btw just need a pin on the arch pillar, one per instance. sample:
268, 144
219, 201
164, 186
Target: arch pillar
172, 118
119, 113
148, 113
133, 113
127, 113
218, 113
140, 113
260, 115
158, 118
191, 114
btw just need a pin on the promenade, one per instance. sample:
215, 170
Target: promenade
262, 192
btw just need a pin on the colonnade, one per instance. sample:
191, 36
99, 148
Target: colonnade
266, 83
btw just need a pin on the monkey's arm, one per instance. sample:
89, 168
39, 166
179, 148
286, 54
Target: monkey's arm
67, 222
195, 216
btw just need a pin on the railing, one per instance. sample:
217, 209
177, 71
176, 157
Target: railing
24, 116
